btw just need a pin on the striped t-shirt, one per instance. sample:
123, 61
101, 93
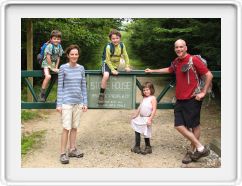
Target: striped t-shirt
71, 85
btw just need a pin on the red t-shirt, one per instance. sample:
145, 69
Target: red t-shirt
184, 90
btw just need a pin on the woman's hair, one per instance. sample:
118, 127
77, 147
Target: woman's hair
114, 32
69, 48
55, 33
150, 86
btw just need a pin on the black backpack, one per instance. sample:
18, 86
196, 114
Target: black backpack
112, 48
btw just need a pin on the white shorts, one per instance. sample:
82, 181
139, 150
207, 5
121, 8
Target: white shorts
71, 116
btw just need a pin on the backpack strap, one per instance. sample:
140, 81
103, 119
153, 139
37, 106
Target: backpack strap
194, 70
190, 66
112, 48
173, 65
122, 47
53, 48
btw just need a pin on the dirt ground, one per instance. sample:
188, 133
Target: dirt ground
105, 137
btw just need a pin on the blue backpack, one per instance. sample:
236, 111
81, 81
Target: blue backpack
112, 48
40, 56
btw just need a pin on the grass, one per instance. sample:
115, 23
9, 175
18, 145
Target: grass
32, 141
51, 98
30, 114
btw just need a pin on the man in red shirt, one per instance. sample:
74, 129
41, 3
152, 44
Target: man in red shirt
188, 105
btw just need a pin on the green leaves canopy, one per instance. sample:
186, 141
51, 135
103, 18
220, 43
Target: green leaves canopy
153, 39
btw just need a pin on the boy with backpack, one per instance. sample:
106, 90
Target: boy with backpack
49, 59
112, 54
189, 69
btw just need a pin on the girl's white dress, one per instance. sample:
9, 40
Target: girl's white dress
139, 124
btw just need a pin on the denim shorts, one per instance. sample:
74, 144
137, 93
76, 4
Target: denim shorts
187, 113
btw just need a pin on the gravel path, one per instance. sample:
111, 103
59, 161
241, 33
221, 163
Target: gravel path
105, 137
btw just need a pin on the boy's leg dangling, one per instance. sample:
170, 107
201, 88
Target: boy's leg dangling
42, 95
101, 96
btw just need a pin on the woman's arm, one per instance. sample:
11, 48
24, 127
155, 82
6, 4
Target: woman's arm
84, 90
60, 90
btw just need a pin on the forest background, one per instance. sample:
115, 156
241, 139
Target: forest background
149, 41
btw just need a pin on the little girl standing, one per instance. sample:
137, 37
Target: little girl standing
142, 119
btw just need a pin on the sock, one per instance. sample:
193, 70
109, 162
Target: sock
102, 90
137, 139
200, 149
147, 141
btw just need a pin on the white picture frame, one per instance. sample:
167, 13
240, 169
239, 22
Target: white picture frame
230, 171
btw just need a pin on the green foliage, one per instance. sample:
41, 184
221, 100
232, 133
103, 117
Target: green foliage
134, 60
32, 141
153, 39
89, 33
29, 114
149, 41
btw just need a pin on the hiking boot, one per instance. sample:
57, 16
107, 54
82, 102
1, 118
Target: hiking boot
136, 149
76, 153
101, 99
187, 158
197, 155
42, 97
148, 150
64, 159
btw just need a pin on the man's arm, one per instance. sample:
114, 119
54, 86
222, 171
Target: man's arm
162, 70
208, 79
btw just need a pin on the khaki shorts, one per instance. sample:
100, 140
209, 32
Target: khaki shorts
71, 116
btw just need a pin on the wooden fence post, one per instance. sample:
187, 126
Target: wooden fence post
29, 55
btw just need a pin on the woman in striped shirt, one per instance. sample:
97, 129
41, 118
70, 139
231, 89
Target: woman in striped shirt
71, 101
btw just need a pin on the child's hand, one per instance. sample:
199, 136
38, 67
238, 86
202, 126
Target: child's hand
59, 109
115, 72
148, 70
149, 121
134, 116
127, 69
84, 108
55, 70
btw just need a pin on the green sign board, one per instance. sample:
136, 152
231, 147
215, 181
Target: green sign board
120, 92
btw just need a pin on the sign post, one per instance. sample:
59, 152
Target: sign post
119, 94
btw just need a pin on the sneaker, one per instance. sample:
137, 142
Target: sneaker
42, 97
64, 159
187, 158
76, 153
101, 99
197, 155
136, 149
148, 150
